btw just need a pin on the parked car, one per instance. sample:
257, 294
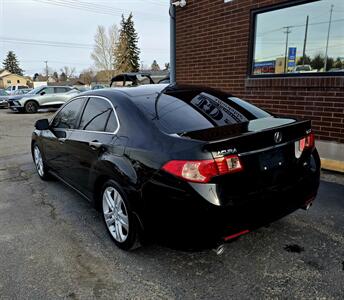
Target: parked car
165, 80
21, 92
12, 88
183, 161
304, 69
131, 79
42, 97
3, 98
98, 87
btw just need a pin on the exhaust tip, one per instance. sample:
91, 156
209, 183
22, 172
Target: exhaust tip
219, 250
308, 206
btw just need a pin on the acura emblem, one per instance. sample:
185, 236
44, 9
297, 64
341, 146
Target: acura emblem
278, 137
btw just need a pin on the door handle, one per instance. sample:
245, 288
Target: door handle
95, 145
62, 140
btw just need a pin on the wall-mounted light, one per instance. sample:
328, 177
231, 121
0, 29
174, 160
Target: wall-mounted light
180, 3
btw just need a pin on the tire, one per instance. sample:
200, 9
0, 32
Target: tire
118, 216
31, 107
39, 163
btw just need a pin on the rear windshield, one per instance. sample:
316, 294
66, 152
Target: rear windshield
180, 111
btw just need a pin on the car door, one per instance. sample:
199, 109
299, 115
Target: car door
60, 95
45, 96
56, 140
96, 131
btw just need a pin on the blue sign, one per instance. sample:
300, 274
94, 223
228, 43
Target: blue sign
270, 63
292, 57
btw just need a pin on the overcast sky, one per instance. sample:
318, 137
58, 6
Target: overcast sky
38, 21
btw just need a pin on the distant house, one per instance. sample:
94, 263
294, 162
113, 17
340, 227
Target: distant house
7, 79
72, 82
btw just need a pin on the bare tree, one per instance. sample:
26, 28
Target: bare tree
69, 72
87, 76
103, 51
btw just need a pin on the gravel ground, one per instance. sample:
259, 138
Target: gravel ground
53, 245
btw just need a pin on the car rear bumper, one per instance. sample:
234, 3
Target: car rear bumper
176, 209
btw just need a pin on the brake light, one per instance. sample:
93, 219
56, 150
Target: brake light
307, 142
203, 171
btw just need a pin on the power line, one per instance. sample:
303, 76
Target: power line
93, 8
45, 43
59, 44
297, 26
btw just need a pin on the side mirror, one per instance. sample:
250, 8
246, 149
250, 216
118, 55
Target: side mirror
42, 93
42, 124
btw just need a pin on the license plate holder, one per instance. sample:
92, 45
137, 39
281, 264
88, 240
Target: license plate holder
271, 160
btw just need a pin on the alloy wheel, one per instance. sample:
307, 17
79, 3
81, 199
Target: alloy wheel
115, 214
39, 161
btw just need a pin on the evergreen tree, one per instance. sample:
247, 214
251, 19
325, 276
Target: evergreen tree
317, 62
307, 60
338, 63
127, 53
155, 66
11, 64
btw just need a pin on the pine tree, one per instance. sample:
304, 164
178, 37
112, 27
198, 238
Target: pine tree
11, 64
155, 66
127, 53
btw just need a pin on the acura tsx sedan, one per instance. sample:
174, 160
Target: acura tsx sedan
189, 163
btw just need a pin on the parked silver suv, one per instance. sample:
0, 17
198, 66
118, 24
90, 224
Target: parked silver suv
42, 97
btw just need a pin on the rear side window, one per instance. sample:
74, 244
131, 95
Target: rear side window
60, 90
48, 90
179, 111
96, 115
112, 123
68, 115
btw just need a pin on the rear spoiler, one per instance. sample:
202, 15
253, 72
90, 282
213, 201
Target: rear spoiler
239, 137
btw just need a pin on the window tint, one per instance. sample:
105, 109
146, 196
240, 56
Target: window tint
189, 110
68, 115
112, 123
96, 114
61, 90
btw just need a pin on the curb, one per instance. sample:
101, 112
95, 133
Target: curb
332, 165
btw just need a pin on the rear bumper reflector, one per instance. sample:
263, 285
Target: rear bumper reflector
233, 236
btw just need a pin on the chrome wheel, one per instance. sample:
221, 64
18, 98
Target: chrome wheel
38, 161
115, 214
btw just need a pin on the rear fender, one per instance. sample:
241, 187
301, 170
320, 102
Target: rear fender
118, 169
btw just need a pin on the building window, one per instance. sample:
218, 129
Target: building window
9, 82
299, 39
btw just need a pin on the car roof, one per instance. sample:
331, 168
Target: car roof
141, 90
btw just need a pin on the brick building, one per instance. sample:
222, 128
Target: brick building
254, 49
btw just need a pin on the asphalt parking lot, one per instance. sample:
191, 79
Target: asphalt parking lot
54, 245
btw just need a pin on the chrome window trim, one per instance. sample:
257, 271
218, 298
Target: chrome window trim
87, 97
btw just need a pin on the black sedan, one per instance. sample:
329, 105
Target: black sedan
186, 163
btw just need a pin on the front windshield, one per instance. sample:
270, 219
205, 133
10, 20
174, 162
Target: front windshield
34, 91
3, 93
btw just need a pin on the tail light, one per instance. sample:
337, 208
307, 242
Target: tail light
203, 171
308, 142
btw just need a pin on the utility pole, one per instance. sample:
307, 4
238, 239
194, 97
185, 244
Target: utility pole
305, 42
46, 69
328, 37
287, 32
172, 42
